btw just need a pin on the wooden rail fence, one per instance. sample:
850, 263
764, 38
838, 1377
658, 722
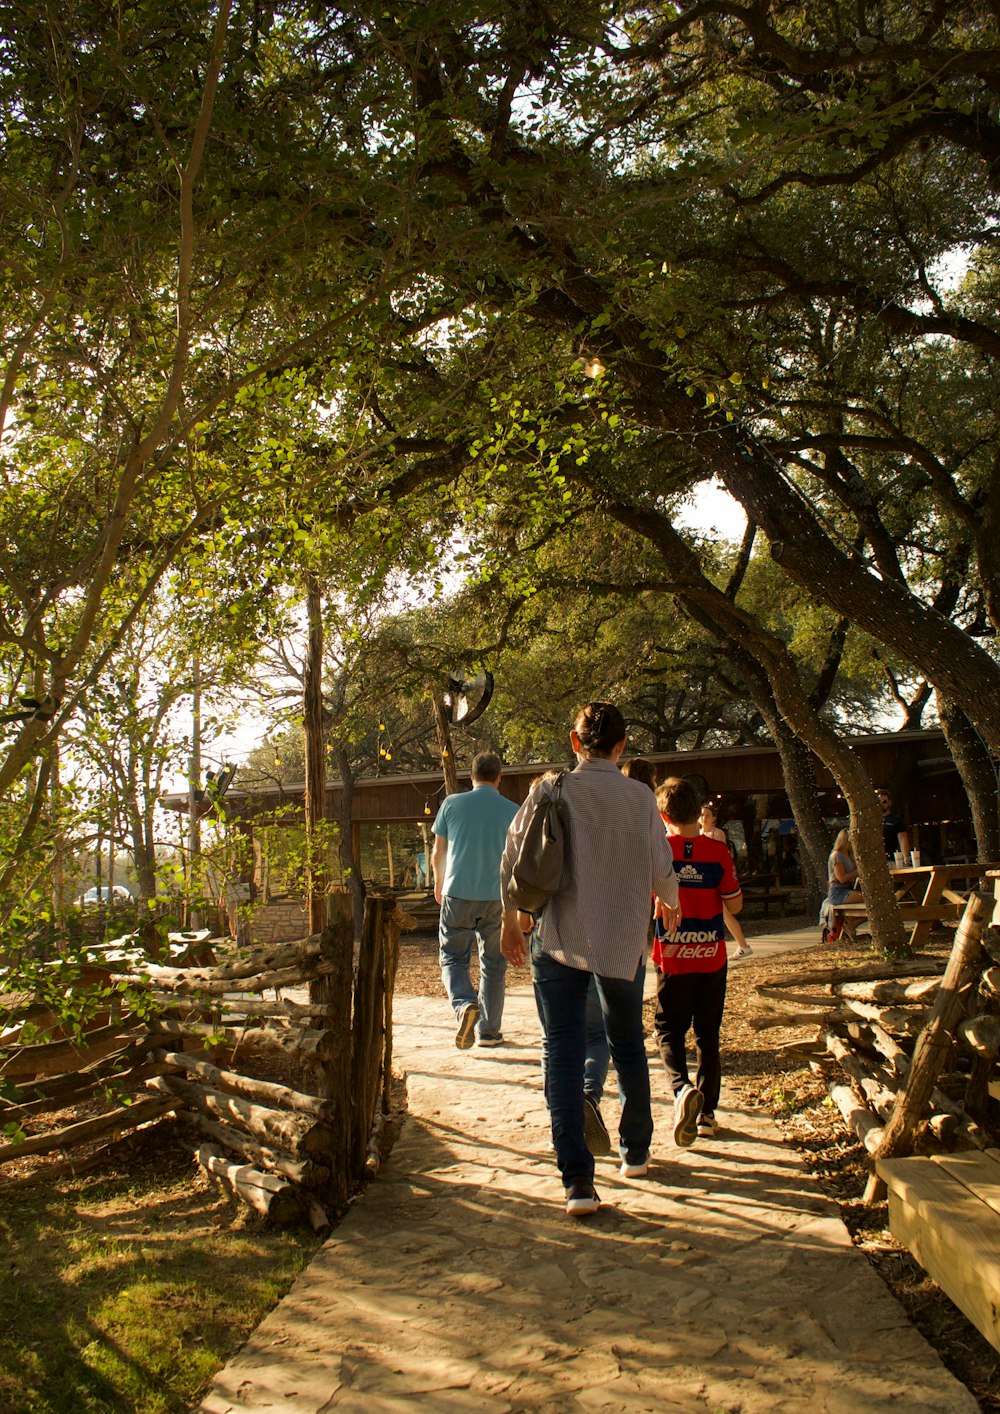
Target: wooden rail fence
907, 1049
188, 1041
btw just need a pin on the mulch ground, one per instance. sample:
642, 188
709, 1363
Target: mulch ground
780, 1084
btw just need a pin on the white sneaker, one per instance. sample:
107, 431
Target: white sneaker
687, 1107
634, 1170
706, 1126
581, 1200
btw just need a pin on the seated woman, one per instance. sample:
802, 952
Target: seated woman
843, 884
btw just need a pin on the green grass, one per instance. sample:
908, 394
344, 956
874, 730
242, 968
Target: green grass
127, 1290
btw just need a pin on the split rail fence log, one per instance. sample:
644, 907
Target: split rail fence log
312, 1148
932, 1044
278, 1096
271, 1196
306, 1172
86, 1129
880, 1023
296, 1134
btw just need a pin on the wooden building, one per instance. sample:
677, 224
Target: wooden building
393, 814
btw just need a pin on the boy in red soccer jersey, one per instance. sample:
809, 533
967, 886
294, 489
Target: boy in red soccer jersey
691, 961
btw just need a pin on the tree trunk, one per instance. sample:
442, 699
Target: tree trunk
315, 769
349, 844
194, 805
937, 648
443, 731
797, 769
707, 604
972, 758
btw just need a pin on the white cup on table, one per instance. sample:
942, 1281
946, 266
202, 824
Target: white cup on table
899, 858
915, 857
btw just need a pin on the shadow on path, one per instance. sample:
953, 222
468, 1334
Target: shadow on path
722, 1281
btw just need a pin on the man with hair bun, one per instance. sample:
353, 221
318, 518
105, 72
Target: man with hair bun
596, 925
469, 833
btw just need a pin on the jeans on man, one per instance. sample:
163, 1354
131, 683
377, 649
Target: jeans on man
465, 923
561, 993
598, 1058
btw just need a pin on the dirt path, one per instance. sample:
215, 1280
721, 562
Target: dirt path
724, 1281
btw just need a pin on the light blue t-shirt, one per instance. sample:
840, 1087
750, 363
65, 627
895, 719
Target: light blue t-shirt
474, 823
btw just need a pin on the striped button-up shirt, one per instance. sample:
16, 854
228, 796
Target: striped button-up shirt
619, 857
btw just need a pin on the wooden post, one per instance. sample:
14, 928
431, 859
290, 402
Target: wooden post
315, 791
444, 745
932, 1045
390, 961
334, 992
366, 1056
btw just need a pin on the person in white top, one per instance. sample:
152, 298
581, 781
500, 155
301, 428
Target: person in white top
597, 923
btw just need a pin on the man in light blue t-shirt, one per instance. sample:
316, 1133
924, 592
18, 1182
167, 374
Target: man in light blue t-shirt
469, 835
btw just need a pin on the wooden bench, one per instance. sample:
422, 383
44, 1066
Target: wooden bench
946, 1210
763, 889
912, 912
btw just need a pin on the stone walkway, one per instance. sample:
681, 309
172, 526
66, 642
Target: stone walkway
724, 1281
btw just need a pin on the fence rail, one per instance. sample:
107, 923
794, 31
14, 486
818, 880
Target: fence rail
288, 1150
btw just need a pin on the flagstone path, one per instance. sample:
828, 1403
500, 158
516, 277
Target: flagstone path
724, 1281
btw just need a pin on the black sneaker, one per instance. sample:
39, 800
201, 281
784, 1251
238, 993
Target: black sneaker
465, 1036
581, 1199
595, 1131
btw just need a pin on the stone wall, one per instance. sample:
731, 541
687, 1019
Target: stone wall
279, 922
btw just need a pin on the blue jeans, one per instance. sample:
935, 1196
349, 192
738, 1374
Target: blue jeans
598, 1057
465, 922
561, 993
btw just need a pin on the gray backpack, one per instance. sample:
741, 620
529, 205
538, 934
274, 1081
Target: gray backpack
540, 866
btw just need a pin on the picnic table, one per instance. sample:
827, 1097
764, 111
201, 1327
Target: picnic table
929, 893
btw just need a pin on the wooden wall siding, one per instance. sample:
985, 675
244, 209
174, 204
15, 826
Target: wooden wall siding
732, 771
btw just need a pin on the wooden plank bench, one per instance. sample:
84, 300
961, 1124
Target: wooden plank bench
763, 889
912, 912
946, 1210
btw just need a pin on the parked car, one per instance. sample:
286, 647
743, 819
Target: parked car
93, 898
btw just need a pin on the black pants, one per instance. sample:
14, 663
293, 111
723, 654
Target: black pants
684, 1000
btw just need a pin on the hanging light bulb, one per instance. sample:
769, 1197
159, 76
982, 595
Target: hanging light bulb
427, 808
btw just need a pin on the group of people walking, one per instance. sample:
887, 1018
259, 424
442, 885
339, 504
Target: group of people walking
633, 858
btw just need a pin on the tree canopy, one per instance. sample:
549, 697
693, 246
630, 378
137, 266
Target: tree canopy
449, 291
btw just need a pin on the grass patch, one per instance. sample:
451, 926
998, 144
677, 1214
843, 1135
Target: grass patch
126, 1291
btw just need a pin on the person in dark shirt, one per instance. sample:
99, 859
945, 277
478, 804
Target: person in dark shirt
895, 835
